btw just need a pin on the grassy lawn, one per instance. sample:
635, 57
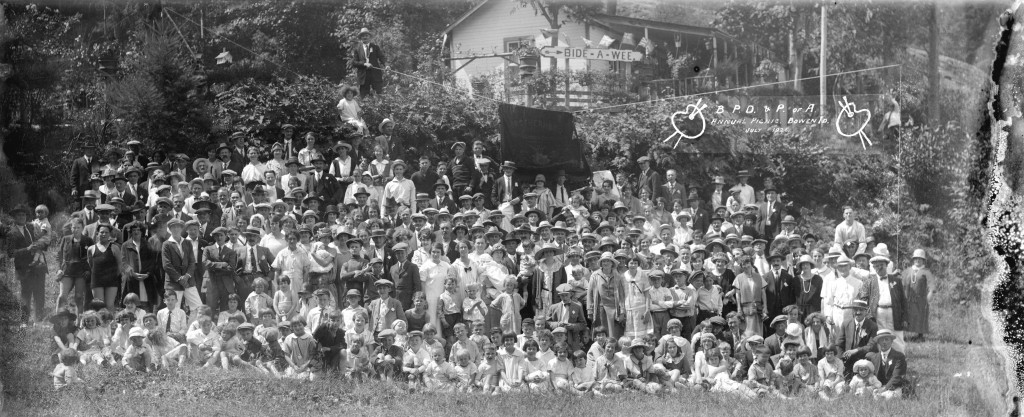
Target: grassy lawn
959, 345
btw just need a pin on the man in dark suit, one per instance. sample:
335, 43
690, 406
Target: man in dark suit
385, 310
22, 246
568, 314
238, 152
369, 61
322, 184
672, 189
700, 217
178, 262
462, 168
649, 178
221, 262
781, 288
772, 214
441, 198
890, 365
82, 169
88, 212
506, 188
856, 337
405, 275
121, 190
205, 219
253, 262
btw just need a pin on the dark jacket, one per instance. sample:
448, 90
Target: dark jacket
406, 277
375, 58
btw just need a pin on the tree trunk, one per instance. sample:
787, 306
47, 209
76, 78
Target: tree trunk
933, 66
795, 62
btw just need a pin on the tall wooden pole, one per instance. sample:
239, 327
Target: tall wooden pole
822, 85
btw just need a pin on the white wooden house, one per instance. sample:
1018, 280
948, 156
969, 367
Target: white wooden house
481, 42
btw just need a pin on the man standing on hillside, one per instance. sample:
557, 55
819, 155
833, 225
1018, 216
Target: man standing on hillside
82, 170
368, 60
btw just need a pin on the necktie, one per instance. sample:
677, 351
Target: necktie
168, 327
252, 258
768, 219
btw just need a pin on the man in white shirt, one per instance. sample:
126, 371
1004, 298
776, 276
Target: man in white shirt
851, 230
746, 191
842, 291
400, 189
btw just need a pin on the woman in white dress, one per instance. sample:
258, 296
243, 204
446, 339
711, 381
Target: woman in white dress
433, 272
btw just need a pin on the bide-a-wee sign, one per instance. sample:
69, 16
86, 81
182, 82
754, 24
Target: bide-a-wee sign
566, 52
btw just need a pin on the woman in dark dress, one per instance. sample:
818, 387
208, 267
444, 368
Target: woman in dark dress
915, 283
139, 260
72, 258
105, 267
809, 297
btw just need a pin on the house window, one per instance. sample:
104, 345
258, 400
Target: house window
511, 44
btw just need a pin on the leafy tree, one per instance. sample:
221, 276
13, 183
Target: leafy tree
158, 98
284, 37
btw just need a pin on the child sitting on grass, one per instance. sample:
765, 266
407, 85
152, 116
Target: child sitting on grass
807, 372
583, 375
275, 360
535, 371
672, 366
66, 372
93, 339
830, 370
167, 350
252, 348
230, 347
787, 382
490, 370
299, 348
440, 374
331, 339
416, 359
203, 342
561, 370
638, 368
864, 381
138, 356
465, 371
223, 317
609, 370
760, 376
387, 358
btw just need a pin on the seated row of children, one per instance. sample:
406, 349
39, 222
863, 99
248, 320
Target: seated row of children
503, 362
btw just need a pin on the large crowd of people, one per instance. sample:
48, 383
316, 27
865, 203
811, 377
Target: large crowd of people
299, 258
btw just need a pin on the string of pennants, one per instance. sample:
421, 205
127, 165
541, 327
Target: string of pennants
627, 41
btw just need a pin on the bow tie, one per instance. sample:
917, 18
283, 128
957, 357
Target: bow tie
883, 277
